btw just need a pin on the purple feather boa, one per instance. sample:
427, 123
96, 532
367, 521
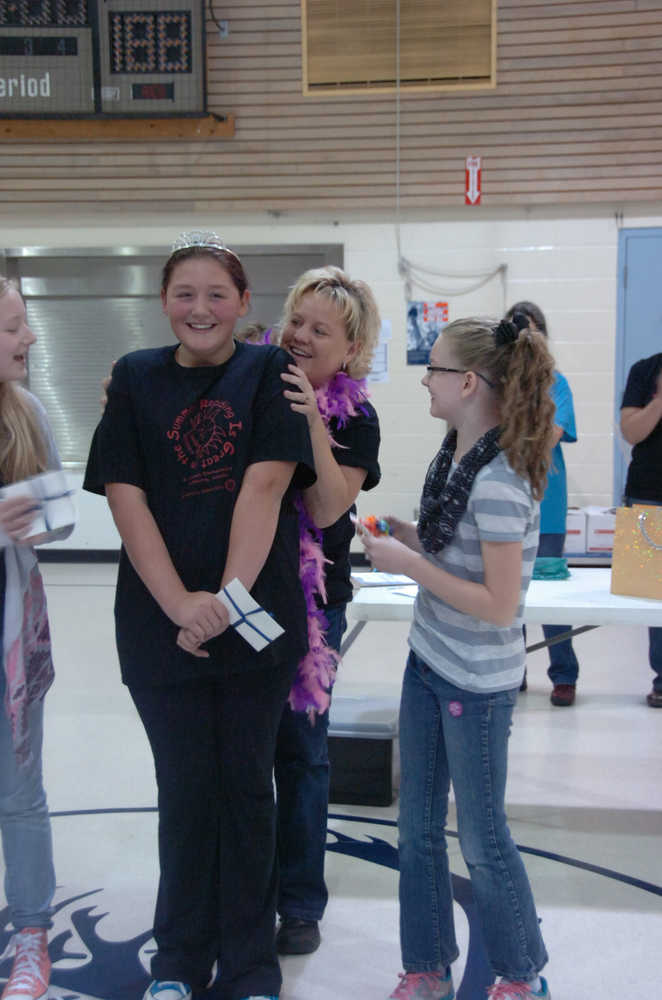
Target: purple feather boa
339, 399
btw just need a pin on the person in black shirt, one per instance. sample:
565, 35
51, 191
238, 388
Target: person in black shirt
200, 457
641, 426
330, 327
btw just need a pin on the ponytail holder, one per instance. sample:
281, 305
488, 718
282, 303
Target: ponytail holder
508, 330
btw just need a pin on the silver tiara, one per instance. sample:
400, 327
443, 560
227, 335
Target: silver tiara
200, 238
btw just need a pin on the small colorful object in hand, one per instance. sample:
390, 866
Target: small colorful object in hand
375, 525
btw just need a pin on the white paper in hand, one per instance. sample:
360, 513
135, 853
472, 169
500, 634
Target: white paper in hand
54, 506
252, 622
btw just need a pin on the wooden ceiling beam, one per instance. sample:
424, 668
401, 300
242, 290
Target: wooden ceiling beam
115, 129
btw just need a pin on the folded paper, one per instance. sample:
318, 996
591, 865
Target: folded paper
252, 622
54, 507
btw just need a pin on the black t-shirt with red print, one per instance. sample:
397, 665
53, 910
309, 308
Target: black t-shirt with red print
186, 437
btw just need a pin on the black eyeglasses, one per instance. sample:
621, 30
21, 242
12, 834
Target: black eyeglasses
431, 369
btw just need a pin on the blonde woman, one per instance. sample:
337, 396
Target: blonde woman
330, 328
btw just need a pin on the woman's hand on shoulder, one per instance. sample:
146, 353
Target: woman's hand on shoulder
17, 515
301, 395
105, 382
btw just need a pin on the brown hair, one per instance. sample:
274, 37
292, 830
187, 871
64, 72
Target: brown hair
521, 371
532, 312
226, 258
356, 304
22, 446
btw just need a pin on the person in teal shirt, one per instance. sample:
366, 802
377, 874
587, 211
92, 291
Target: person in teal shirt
563, 667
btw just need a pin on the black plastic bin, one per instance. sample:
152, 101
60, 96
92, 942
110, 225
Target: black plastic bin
363, 751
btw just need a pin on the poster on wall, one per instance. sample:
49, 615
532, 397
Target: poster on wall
425, 321
379, 370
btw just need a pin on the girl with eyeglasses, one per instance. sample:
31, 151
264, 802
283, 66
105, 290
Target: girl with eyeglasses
472, 554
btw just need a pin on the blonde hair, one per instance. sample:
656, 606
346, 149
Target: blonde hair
357, 307
23, 449
521, 372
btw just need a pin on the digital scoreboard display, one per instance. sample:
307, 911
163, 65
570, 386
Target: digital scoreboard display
157, 42
105, 57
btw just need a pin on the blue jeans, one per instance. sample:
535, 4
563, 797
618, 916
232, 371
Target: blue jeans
654, 634
563, 666
302, 786
26, 828
450, 735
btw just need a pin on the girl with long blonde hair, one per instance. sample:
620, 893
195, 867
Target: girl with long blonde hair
26, 449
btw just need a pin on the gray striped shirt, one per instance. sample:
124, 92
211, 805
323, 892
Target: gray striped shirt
473, 654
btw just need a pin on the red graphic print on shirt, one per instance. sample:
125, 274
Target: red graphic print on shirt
204, 440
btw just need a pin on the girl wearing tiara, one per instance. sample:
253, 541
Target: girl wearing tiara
200, 455
472, 554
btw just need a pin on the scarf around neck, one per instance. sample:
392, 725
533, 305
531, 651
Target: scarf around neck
444, 501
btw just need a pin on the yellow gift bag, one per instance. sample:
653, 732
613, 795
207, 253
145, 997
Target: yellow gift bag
636, 567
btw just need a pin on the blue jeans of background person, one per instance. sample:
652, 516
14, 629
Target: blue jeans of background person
654, 634
26, 828
451, 735
563, 666
302, 786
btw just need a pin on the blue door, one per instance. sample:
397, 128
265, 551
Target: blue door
639, 329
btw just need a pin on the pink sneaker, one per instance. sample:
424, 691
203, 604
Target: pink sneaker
518, 991
31, 970
424, 986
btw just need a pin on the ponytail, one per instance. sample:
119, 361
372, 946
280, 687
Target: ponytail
528, 410
521, 369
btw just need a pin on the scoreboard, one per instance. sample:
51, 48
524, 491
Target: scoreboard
101, 57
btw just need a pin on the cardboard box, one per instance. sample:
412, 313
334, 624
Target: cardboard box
575, 531
600, 523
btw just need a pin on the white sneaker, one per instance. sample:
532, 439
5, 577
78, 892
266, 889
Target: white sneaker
166, 989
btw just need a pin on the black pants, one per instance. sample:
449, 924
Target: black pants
213, 745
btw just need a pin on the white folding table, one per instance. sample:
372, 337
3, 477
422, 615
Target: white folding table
582, 600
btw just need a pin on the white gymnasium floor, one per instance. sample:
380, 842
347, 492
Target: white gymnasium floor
585, 803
